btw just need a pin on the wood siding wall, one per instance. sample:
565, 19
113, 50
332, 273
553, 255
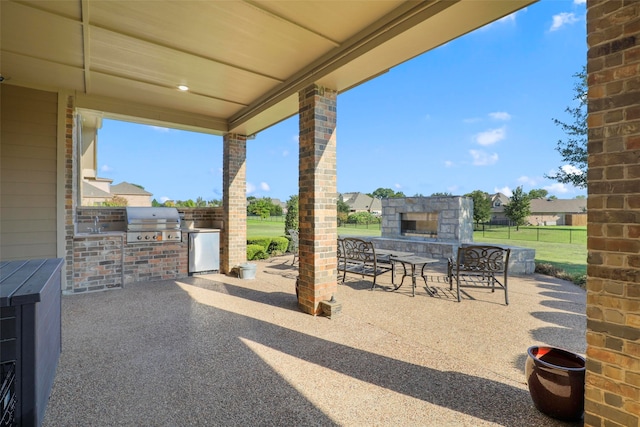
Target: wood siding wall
28, 142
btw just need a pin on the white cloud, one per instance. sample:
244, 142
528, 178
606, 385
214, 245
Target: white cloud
504, 190
557, 188
160, 129
509, 19
164, 199
285, 153
471, 120
491, 136
448, 163
264, 186
579, 1
562, 19
106, 168
398, 186
452, 189
295, 138
482, 158
250, 188
500, 115
571, 170
527, 180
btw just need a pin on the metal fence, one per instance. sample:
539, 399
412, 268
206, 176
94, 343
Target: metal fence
535, 234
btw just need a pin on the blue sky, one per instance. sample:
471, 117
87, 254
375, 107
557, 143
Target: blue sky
474, 114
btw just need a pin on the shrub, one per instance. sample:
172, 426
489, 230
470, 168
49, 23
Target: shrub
551, 270
262, 241
278, 245
256, 252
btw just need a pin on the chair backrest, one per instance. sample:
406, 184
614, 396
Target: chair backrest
293, 246
340, 249
483, 258
358, 250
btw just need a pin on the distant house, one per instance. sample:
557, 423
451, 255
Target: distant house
135, 195
557, 211
96, 191
359, 202
543, 211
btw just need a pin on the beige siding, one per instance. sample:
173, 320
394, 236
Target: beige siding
28, 173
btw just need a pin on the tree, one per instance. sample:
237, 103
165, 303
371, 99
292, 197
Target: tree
260, 207
116, 201
574, 149
538, 193
386, 193
343, 210
291, 220
481, 206
519, 207
441, 194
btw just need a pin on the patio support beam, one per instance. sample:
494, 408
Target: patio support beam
317, 197
234, 200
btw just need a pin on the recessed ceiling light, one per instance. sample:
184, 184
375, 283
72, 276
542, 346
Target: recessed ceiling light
183, 88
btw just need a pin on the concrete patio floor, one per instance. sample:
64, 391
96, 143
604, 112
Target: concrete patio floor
215, 350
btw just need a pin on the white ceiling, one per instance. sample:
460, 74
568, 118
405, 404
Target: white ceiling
244, 61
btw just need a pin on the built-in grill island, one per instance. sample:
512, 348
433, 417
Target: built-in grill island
151, 224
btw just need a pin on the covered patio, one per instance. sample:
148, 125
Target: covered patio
218, 350
249, 65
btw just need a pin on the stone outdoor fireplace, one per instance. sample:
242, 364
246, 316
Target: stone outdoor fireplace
437, 219
436, 227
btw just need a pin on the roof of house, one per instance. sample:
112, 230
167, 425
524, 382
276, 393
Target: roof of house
129, 189
91, 191
558, 205
362, 202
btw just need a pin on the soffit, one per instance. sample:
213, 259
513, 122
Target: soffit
244, 61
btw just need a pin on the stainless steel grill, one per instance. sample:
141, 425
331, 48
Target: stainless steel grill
153, 225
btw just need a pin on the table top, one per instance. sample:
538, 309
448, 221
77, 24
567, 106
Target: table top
413, 259
393, 253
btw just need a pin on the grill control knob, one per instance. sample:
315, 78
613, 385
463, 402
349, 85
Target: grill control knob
146, 237
139, 237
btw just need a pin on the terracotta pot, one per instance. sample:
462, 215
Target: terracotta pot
556, 382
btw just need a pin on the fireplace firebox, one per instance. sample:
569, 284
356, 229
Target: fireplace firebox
423, 224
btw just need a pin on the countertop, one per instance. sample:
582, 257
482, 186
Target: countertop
200, 230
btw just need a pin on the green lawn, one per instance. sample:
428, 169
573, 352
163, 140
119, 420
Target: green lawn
271, 228
570, 257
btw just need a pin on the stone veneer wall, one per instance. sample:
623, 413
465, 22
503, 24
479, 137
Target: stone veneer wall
612, 395
455, 216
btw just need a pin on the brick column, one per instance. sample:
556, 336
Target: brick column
612, 395
234, 236
71, 172
317, 197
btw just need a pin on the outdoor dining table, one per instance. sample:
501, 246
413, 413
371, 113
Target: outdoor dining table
384, 255
414, 261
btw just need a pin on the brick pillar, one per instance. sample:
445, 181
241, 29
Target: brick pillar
317, 197
71, 172
234, 236
612, 395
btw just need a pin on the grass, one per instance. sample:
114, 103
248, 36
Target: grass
551, 234
270, 228
570, 258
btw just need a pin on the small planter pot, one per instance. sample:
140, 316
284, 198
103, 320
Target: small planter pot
556, 382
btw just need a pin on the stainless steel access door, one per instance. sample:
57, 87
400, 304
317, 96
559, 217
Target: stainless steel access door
204, 251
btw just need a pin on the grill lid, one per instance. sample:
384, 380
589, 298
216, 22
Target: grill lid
145, 218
